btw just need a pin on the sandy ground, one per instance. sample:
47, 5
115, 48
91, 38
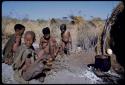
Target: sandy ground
66, 69
70, 70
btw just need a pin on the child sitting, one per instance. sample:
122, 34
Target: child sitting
13, 43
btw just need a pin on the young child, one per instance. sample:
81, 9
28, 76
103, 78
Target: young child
24, 56
66, 39
13, 43
27, 65
48, 46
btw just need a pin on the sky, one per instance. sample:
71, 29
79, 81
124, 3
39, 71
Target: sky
57, 9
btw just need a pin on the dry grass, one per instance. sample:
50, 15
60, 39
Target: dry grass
84, 33
87, 33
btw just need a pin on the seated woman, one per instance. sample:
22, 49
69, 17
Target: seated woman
12, 44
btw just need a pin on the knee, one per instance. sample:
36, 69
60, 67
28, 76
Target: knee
26, 76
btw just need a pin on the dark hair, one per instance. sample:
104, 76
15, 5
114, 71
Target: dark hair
63, 27
19, 26
46, 30
32, 34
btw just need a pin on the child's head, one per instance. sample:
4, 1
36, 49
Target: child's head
46, 33
19, 29
29, 38
63, 27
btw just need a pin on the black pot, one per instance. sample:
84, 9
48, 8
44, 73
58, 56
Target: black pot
102, 62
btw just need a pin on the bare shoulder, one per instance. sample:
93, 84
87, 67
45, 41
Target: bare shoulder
68, 32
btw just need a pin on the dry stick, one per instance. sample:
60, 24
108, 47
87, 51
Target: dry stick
107, 27
104, 37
